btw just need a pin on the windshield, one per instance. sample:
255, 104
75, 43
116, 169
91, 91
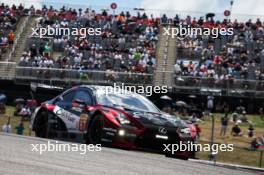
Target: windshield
130, 101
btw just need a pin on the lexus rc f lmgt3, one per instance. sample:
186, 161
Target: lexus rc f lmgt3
119, 119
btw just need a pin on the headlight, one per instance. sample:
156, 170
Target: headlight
185, 130
122, 119
121, 132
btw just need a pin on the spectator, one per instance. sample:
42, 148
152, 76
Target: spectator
24, 59
177, 69
236, 131
11, 37
254, 144
7, 127
164, 19
250, 131
33, 51
224, 124
198, 131
235, 117
25, 112
244, 117
20, 128
47, 50
262, 140
194, 118
2, 108
210, 102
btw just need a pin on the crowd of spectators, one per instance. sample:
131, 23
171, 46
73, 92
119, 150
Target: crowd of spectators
127, 43
9, 17
238, 56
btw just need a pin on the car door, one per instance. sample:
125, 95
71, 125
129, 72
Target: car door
64, 111
85, 97
65, 100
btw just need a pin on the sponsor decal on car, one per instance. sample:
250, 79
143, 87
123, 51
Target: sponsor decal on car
69, 119
65, 114
82, 122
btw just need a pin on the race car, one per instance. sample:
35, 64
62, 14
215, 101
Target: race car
101, 115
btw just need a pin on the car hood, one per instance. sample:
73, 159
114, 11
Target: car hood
158, 119
153, 119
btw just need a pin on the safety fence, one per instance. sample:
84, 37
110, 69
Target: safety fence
81, 76
7, 70
227, 86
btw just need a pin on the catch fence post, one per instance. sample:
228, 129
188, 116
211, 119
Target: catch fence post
260, 158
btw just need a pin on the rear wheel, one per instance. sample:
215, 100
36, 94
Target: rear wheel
95, 130
41, 126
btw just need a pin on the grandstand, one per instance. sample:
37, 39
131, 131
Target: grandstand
132, 49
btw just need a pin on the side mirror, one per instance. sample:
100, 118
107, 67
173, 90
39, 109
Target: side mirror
58, 99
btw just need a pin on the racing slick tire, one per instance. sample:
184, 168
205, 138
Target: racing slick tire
41, 126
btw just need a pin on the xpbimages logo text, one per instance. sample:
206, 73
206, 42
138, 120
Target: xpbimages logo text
187, 30
65, 31
197, 147
140, 89
64, 147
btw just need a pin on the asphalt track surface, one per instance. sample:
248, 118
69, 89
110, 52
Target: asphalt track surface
17, 158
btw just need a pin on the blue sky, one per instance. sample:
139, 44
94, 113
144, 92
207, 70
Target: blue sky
249, 7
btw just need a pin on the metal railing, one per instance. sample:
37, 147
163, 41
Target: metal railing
231, 86
7, 70
255, 85
83, 76
227, 87
5, 65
